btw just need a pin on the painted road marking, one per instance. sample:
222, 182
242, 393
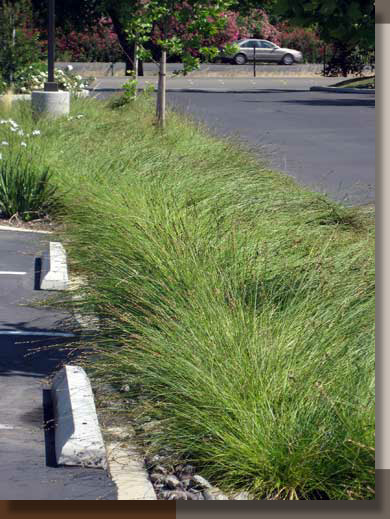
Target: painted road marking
12, 273
10, 228
44, 334
6, 426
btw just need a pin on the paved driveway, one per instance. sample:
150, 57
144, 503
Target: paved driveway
27, 467
325, 140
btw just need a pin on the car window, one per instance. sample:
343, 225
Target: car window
267, 45
250, 44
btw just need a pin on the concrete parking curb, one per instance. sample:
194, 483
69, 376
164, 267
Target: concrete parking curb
343, 90
78, 439
54, 270
126, 467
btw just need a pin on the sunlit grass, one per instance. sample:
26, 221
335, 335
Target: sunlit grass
238, 304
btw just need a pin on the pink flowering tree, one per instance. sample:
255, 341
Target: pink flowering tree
178, 28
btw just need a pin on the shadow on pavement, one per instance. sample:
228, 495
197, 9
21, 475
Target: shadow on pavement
333, 102
34, 356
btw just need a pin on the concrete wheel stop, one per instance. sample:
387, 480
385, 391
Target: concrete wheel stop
54, 270
78, 438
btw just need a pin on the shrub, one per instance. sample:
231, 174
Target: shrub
304, 39
25, 186
101, 44
257, 25
34, 76
345, 61
19, 40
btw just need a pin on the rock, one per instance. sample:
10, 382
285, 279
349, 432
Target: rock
178, 469
172, 482
186, 482
200, 482
175, 495
242, 496
152, 461
157, 478
160, 469
214, 494
188, 469
195, 496
124, 389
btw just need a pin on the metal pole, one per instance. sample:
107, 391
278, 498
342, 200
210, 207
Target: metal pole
254, 61
163, 73
50, 85
324, 60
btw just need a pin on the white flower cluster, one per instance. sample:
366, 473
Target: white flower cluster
14, 128
34, 79
79, 116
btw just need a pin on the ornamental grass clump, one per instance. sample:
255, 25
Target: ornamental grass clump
26, 189
236, 306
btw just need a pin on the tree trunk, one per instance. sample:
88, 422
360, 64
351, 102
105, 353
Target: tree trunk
128, 48
161, 94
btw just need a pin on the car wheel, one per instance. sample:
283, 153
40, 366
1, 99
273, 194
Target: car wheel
240, 59
288, 59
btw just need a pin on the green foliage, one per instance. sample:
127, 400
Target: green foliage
71, 14
230, 49
130, 93
351, 23
19, 42
348, 25
26, 188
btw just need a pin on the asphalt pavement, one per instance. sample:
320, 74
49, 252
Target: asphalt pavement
325, 140
33, 344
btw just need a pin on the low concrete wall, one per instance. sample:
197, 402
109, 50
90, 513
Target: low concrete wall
95, 69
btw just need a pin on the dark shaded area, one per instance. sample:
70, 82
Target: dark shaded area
334, 102
34, 356
37, 273
48, 424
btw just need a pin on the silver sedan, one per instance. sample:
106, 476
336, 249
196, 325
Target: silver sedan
263, 50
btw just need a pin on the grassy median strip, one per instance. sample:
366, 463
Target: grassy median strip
239, 305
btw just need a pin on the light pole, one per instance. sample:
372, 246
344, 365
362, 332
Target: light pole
50, 101
51, 85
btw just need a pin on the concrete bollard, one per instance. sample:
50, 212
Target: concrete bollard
53, 104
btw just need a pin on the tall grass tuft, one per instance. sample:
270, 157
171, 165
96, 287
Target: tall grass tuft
26, 189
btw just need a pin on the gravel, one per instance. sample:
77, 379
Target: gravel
179, 482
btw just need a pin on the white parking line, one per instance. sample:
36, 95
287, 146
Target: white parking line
6, 426
44, 334
11, 273
10, 228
